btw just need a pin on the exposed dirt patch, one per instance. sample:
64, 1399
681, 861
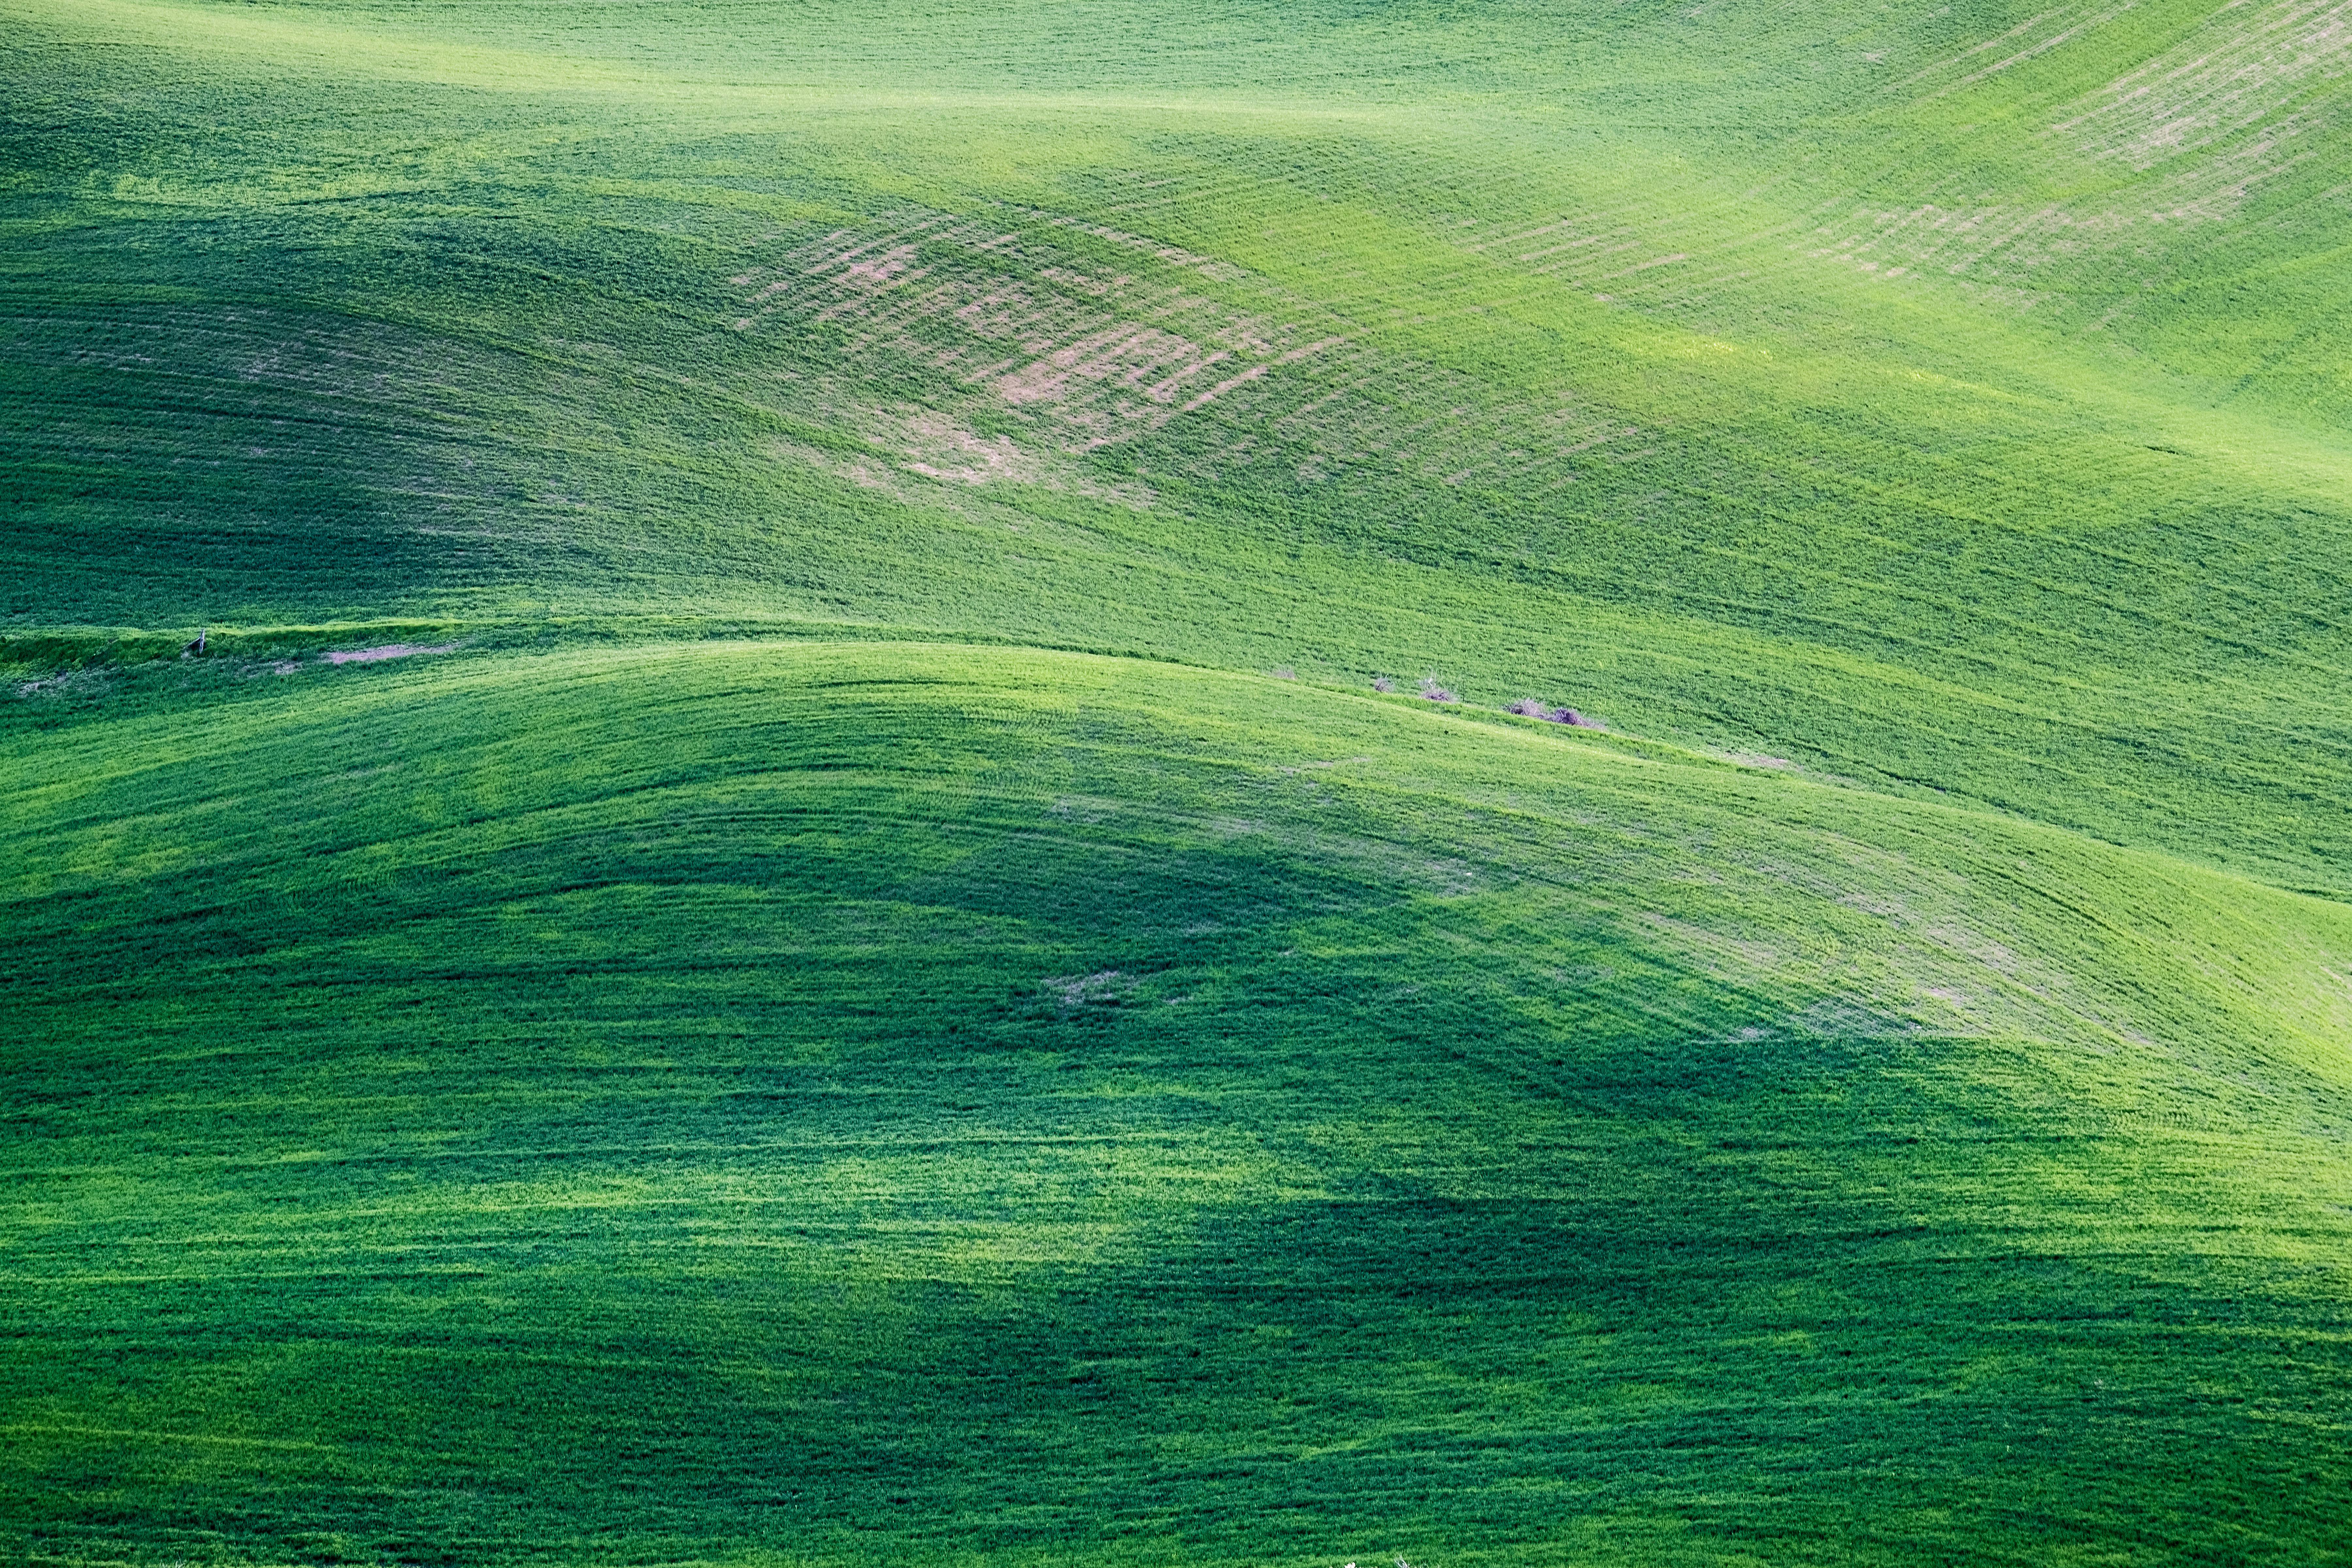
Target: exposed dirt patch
1072, 992
383, 652
2248, 68
84, 682
1005, 317
937, 448
2242, 88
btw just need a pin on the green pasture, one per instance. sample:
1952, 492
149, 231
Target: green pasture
835, 1102
884, 962
320, 313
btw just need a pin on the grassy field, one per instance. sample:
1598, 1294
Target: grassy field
891, 965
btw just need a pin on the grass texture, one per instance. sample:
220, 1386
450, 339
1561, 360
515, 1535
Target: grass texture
628, 1106
871, 976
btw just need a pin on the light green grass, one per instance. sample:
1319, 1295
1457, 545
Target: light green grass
440, 326
853, 1020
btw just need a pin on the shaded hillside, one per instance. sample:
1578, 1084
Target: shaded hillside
646, 1106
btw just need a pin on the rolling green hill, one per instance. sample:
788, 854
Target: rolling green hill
878, 959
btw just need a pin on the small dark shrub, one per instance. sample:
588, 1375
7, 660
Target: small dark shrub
1531, 707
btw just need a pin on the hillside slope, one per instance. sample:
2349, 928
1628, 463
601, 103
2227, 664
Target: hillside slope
660, 1105
810, 996
1947, 427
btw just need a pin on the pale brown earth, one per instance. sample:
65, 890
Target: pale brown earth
2253, 69
384, 651
1087, 357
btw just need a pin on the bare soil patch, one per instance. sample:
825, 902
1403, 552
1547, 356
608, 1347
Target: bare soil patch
383, 652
